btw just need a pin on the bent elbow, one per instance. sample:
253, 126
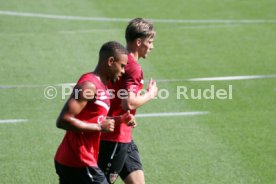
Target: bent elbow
59, 123
127, 105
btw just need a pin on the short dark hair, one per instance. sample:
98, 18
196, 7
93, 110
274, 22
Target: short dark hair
139, 28
112, 48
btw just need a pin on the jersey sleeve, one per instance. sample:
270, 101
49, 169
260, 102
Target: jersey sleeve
132, 79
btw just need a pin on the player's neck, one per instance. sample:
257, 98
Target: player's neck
100, 75
134, 55
133, 51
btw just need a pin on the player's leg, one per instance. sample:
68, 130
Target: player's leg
82, 175
97, 175
132, 172
111, 158
135, 177
67, 175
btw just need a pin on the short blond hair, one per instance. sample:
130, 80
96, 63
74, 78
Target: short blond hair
139, 28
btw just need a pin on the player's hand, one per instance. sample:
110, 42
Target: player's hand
107, 125
132, 123
152, 88
129, 119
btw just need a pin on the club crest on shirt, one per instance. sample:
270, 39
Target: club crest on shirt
100, 119
113, 177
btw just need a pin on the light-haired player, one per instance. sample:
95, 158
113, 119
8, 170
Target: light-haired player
118, 153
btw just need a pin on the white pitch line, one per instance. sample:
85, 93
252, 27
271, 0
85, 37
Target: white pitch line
171, 114
104, 19
61, 17
225, 78
2, 121
35, 85
27, 86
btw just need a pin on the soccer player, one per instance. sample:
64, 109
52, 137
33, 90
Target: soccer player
118, 153
84, 118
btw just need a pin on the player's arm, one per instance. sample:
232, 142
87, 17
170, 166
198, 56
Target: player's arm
75, 104
136, 100
126, 118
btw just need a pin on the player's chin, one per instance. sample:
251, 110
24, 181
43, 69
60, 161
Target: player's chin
116, 78
146, 55
113, 79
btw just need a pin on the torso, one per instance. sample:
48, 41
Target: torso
81, 149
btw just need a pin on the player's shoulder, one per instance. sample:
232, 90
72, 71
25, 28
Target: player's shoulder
88, 81
132, 66
90, 78
131, 61
86, 77
85, 90
87, 85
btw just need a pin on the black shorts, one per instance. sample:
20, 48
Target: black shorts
80, 175
118, 159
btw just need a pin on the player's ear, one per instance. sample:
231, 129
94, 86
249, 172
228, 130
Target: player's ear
110, 60
138, 41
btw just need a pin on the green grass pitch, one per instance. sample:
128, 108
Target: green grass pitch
233, 144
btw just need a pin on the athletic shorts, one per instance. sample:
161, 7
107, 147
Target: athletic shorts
80, 175
118, 159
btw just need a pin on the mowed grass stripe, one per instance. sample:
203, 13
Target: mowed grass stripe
224, 78
104, 19
187, 151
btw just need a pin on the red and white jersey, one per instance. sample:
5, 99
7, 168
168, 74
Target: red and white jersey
80, 149
132, 80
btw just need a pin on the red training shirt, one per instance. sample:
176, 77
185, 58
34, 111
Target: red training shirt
80, 149
132, 80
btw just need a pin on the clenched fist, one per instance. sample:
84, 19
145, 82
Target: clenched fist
107, 125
